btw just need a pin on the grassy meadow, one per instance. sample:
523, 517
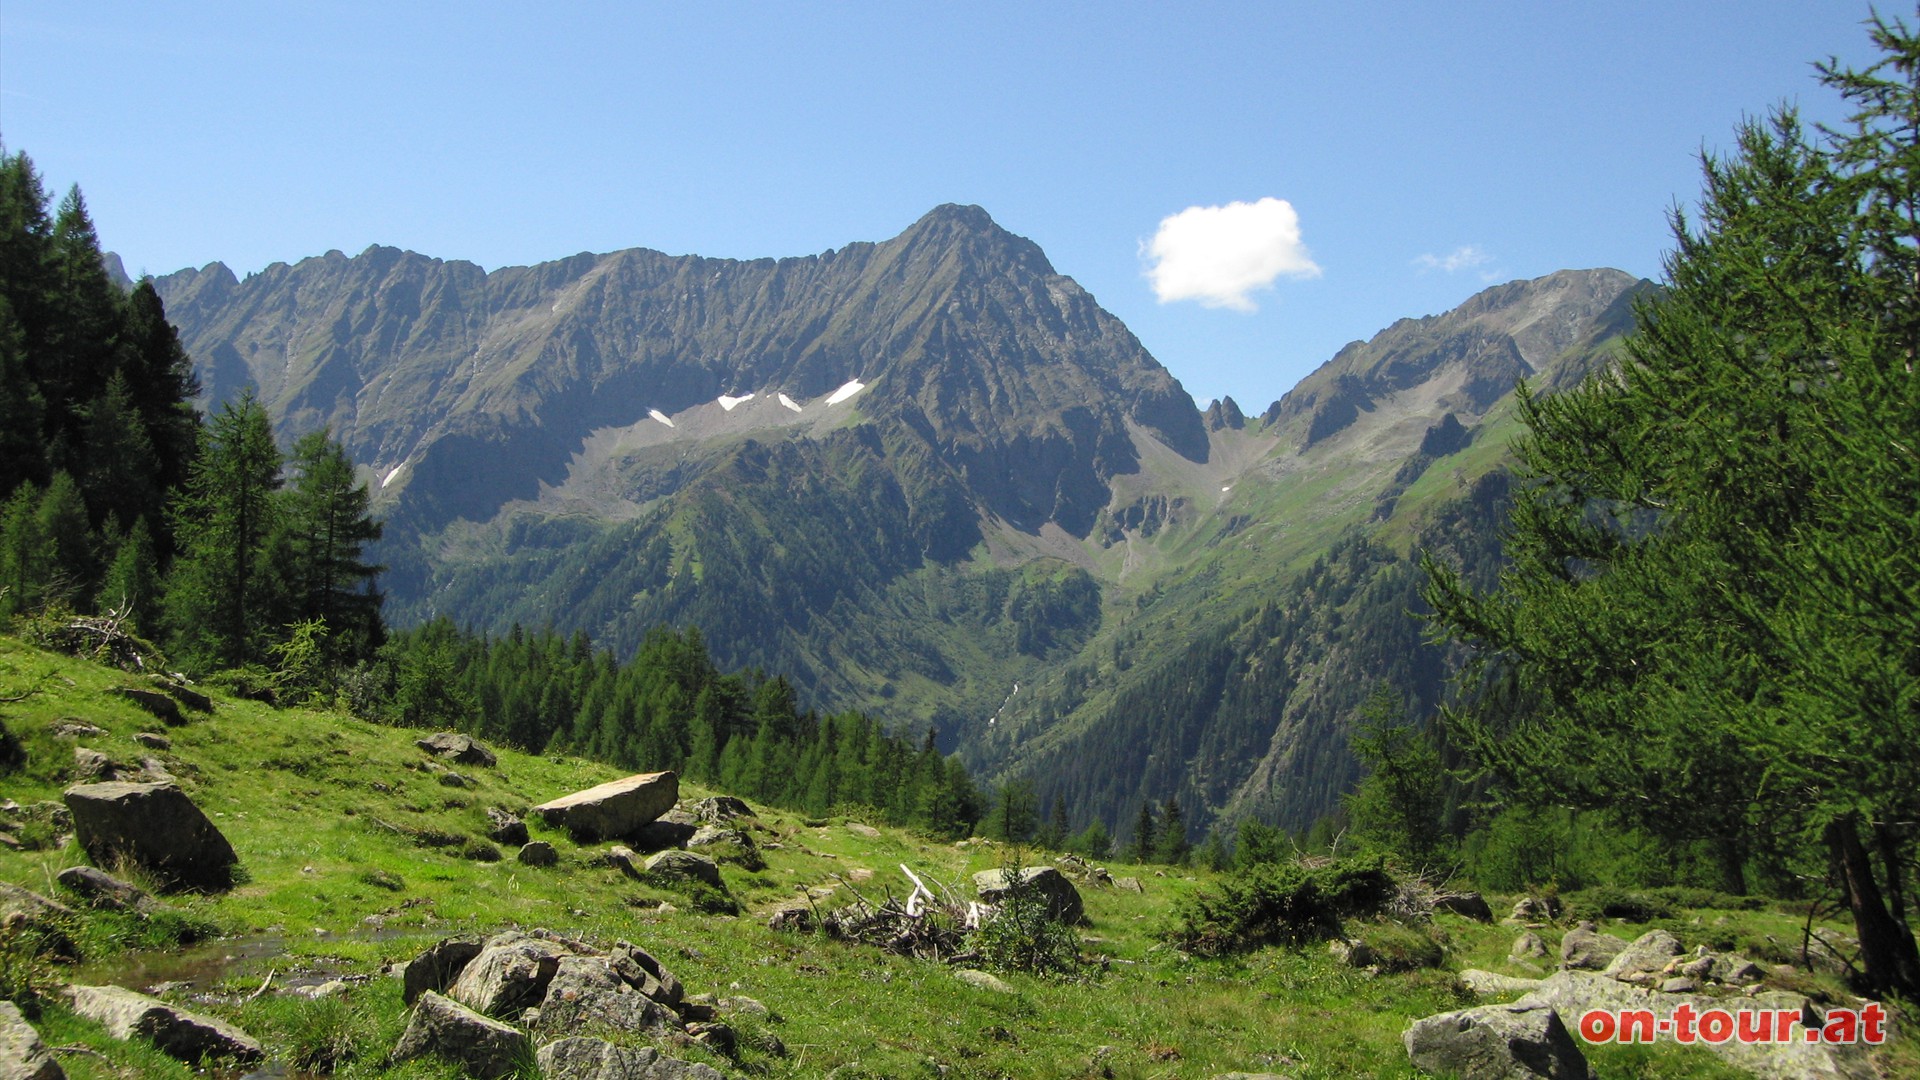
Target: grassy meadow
358, 850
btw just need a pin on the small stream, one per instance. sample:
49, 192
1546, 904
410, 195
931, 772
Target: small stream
193, 972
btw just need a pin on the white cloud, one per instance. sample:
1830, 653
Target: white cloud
1465, 257
1219, 254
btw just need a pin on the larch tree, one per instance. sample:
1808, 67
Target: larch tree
1709, 623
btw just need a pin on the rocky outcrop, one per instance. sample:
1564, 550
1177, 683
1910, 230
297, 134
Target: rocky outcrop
155, 827
553, 985
614, 809
22, 1055
1062, 899
590, 1059
1496, 1042
1573, 993
484, 1048
179, 1034
436, 968
457, 748
510, 974
1648, 956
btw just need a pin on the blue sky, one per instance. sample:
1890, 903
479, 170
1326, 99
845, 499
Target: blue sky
1421, 151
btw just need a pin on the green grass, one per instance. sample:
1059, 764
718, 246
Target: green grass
351, 852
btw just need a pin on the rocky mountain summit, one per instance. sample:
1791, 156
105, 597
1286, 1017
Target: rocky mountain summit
929, 477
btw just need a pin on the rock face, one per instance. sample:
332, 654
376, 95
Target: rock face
22, 1055
484, 1048
614, 809
178, 1033
155, 827
1496, 1042
1063, 900
458, 748
590, 1059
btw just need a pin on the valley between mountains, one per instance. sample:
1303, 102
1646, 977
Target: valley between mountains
927, 477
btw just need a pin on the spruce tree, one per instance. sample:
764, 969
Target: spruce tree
326, 527
1172, 846
219, 593
1145, 835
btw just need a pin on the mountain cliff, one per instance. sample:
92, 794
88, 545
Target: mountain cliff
928, 476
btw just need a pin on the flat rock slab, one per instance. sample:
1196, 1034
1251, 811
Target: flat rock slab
590, 1059
614, 809
182, 1035
1486, 983
455, 747
1496, 1042
1063, 900
155, 827
22, 1055
447, 1029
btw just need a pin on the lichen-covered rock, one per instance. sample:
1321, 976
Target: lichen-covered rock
613, 809
22, 1055
484, 1048
720, 809
179, 1034
1648, 956
590, 1059
538, 853
511, 973
155, 827
587, 993
1496, 1042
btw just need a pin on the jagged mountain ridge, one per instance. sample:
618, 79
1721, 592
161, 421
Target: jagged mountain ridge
927, 476
479, 386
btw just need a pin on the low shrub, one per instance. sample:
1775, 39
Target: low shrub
1282, 904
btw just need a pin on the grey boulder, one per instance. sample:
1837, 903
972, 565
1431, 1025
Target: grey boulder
1062, 899
22, 1055
484, 1048
155, 827
1496, 1042
614, 809
179, 1034
590, 1059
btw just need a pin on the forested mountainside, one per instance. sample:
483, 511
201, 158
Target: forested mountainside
928, 477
